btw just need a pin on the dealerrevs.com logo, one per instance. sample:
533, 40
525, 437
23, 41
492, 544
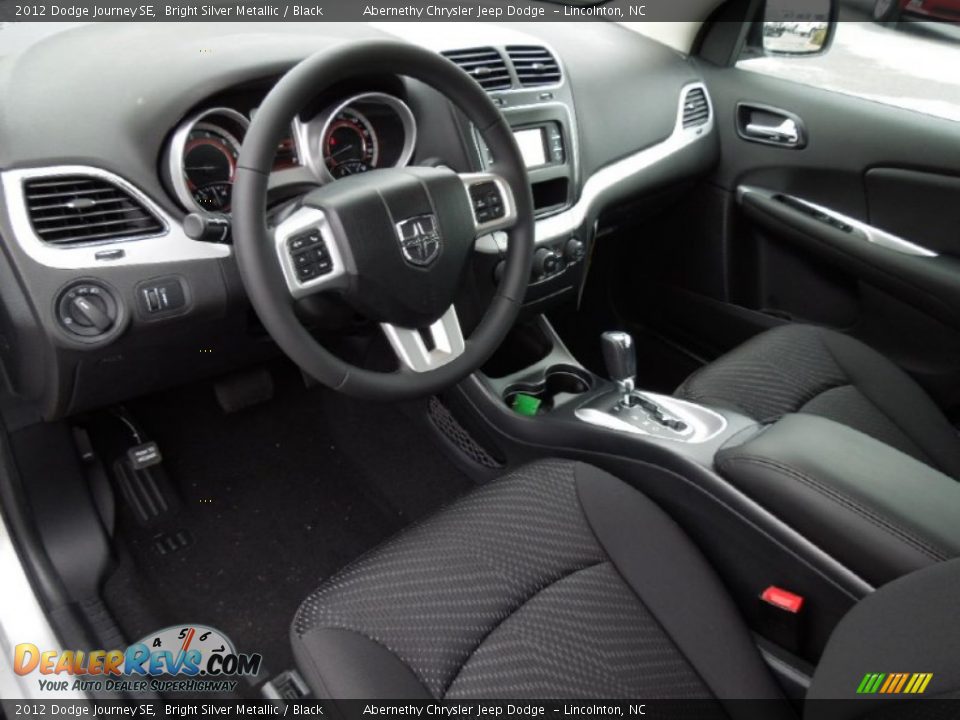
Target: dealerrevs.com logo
180, 658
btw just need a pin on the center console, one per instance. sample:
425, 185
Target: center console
534, 399
536, 390
543, 121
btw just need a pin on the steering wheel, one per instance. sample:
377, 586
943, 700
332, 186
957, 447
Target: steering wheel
395, 244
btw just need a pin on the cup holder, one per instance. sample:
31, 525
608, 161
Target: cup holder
559, 384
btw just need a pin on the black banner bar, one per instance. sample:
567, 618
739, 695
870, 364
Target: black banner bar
360, 10
472, 709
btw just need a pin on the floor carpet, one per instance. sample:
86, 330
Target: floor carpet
276, 497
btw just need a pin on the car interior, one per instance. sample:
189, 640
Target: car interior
512, 360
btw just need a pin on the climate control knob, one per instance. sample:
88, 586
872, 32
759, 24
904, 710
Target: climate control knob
545, 262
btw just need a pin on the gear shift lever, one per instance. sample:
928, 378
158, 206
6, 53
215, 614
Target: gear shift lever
621, 360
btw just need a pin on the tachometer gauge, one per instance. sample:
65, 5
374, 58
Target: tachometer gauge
349, 144
209, 164
214, 197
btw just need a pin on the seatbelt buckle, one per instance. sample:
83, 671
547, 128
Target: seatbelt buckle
781, 617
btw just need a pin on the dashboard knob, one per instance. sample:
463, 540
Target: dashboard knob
88, 309
574, 250
207, 227
545, 262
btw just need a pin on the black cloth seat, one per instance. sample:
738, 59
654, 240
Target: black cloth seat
556, 581
808, 369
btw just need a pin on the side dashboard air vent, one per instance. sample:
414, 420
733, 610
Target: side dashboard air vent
534, 65
483, 64
73, 209
696, 108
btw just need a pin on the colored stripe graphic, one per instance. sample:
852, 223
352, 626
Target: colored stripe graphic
894, 683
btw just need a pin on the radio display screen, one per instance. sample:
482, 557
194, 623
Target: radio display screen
532, 146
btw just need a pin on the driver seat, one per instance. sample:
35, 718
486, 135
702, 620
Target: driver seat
560, 581
557, 580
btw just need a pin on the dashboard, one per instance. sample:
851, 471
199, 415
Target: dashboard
108, 290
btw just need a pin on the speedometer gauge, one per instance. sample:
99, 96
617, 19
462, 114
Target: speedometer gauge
349, 144
209, 164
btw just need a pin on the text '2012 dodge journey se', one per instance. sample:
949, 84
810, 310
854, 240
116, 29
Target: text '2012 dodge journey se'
477, 361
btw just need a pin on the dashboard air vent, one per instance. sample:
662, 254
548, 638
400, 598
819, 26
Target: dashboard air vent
696, 109
72, 209
534, 65
483, 64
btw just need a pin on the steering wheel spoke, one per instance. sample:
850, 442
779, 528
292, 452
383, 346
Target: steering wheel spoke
494, 207
422, 350
308, 252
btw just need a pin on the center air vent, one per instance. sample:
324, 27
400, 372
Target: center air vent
534, 65
696, 108
73, 209
483, 64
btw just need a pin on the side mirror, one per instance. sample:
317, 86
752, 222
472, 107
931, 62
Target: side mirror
798, 27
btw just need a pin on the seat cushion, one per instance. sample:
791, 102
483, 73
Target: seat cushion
807, 369
556, 581
916, 650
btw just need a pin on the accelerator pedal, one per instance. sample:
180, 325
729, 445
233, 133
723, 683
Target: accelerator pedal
144, 484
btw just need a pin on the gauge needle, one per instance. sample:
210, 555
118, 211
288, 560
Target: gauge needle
341, 150
202, 167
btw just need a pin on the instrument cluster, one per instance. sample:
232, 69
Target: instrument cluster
360, 133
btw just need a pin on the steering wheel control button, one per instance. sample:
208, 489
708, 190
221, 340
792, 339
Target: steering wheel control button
87, 309
487, 202
310, 256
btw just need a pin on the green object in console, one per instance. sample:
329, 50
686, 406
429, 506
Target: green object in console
524, 404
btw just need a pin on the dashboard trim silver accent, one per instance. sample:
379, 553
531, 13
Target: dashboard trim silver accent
172, 245
567, 222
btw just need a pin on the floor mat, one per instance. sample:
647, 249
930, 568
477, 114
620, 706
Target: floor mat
276, 498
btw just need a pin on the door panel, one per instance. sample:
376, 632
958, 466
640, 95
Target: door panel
922, 206
882, 174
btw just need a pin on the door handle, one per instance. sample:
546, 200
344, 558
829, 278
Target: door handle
770, 126
786, 133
